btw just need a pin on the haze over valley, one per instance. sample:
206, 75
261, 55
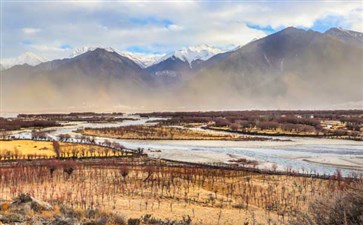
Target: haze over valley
290, 69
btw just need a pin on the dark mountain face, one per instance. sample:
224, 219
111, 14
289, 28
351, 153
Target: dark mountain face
94, 78
95, 64
101, 62
174, 72
268, 53
172, 64
200, 65
169, 72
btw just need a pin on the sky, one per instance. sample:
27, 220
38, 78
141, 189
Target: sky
52, 29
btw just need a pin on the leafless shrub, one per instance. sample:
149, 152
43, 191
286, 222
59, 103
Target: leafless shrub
341, 207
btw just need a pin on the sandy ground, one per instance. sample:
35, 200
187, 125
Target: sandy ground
343, 162
340, 153
199, 214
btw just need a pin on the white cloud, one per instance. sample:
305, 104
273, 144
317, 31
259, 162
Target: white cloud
175, 27
160, 26
283, 14
355, 20
31, 30
46, 48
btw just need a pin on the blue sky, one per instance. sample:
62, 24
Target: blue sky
53, 29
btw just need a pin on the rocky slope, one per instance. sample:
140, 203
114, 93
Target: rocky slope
26, 210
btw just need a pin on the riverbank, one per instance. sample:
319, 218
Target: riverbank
281, 134
156, 132
284, 154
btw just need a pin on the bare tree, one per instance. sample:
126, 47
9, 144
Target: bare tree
57, 149
124, 172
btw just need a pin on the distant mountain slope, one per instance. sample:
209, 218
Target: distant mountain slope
143, 60
170, 67
102, 62
94, 78
200, 65
292, 68
96, 64
346, 36
25, 58
190, 54
176, 67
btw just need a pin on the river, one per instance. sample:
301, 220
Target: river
323, 156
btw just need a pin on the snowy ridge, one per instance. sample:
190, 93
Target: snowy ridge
143, 60
81, 50
25, 58
351, 33
187, 54
347, 36
190, 54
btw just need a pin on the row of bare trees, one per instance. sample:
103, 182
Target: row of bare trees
114, 183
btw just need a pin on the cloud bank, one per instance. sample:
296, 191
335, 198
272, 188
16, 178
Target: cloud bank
52, 29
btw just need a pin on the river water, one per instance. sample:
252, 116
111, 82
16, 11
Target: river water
323, 156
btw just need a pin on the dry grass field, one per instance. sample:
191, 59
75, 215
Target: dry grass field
136, 187
28, 149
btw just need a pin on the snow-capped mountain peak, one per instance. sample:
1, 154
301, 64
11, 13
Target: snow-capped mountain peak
347, 36
143, 60
79, 51
350, 32
190, 54
25, 58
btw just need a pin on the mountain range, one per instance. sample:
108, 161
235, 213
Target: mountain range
292, 68
25, 58
186, 54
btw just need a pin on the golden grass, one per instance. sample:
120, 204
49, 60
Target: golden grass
24, 148
28, 147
